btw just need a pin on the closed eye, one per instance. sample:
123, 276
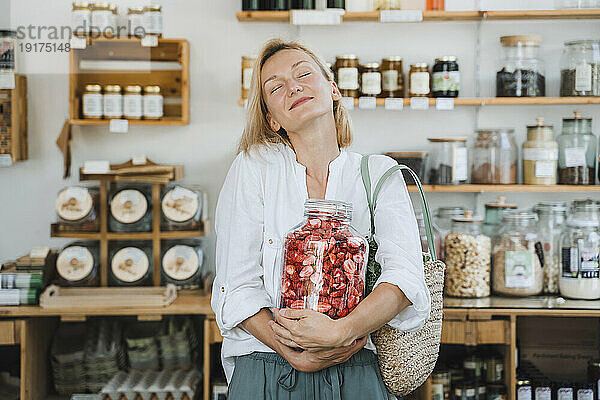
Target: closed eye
305, 74
275, 89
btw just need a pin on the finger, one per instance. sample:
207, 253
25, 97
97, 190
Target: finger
289, 324
287, 342
291, 313
281, 331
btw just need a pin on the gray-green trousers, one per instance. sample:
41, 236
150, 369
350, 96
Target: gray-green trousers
269, 376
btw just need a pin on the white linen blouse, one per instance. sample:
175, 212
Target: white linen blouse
263, 197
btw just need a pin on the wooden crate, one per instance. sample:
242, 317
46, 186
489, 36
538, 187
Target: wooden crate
13, 120
473, 333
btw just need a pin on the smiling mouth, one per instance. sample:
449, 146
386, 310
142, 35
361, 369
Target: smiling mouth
301, 101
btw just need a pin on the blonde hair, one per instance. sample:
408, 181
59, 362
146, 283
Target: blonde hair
258, 130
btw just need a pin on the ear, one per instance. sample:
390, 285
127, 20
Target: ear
335, 92
275, 126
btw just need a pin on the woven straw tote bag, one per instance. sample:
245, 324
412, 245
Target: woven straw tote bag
406, 359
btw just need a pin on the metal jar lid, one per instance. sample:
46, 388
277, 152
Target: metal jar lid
446, 59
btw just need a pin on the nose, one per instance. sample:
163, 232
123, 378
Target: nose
295, 88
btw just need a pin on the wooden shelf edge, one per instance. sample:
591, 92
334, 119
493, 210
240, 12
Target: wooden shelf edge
143, 122
126, 235
472, 188
103, 39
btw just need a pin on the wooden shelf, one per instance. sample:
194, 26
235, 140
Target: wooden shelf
168, 121
55, 232
435, 16
13, 121
468, 188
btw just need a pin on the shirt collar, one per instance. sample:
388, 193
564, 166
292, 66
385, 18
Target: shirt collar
334, 166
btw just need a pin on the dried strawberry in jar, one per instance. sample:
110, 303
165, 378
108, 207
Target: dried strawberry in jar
324, 261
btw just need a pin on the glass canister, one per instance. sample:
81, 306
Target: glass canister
493, 215
78, 264
517, 268
392, 77
130, 208
182, 263
442, 224
93, 105
324, 262
153, 20
419, 80
133, 106
346, 75
153, 103
135, 20
112, 102
495, 156
182, 208
449, 160
577, 150
370, 80
580, 277
445, 77
540, 155
77, 209
580, 68
81, 18
468, 254
551, 219
522, 72
102, 19
131, 263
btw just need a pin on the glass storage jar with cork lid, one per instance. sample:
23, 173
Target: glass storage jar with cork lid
577, 146
495, 156
493, 215
449, 161
540, 155
551, 221
522, 71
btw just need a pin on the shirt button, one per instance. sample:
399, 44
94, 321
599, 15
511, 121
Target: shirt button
222, 289
270, 241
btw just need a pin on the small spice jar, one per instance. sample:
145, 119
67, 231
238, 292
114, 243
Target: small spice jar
577, 146
392, 77
247, 70
113, 102
346, 74
419, 79
135, 19
133, 107
93, 102
493, 215
524, 390
495, 156
449, 161
551, 220
540, 155
442, 378
565, 391
131, 263
370, 80
153, 20
543, 390
81, 18
102, 19
445, 77
153, 103
114, 21
585, 391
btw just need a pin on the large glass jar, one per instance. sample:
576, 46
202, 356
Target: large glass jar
580, 68
78, 264
182, 264
493, 215
551, 220
468, 254
77, 209
182, 208
346, 75
130, 208
585, 209
449, 160
131, 263
392, 77
540, 155
442, 224
517, 267
580, 277
577, 147
495, 156
522, 72
325, 260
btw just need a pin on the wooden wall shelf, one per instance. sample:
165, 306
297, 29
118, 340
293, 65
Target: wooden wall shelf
56, 232
468, 188
168, 121
13, 131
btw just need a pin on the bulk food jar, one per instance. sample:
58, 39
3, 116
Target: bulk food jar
130, 264
540, 155
580, 68
130, 208
493, 215
77, 209
78, 264
522, 72
181, 208
182, 264
468, 254
448, 161
577, 151
324, 262
551, 219
517, 268
442, 225
495, 156
580, 278
585, 209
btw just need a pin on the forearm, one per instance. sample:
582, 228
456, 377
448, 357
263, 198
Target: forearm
258, 326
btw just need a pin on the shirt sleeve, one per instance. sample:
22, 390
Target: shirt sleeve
399, 247
238, 289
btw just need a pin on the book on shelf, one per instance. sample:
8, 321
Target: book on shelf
19, 297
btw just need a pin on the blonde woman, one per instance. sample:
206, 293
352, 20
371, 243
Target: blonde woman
293, 148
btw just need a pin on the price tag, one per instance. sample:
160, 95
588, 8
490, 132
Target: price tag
118, 126
316, 17
96, 167
78, 42
139, 159
348, 103
150, 41
7, 80
444, 104
394, 104
367, 103
5, 160
419, 103
39, 252
401, 16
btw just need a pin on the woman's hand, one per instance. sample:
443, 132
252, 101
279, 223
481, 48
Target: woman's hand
307, 361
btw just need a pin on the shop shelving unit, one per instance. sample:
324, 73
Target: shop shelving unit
13, 133
472, 188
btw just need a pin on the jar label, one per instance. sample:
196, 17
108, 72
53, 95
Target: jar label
575, 157
437, 391
459, 169
540, 154
419, 83
92, 105
102, 21
371, 83
585, 394
153, 106
247, 77
132, 105
74, 263
446, 81
524, 393
153, 22
583, 77
545, 169
347, 78
390, 80
570, 263
136, 24
565, 394
543, 393
519, 269
588, 258
181, 262
470, 393
113, 105
81, 20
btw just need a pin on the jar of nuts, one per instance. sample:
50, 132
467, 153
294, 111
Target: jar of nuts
468, 254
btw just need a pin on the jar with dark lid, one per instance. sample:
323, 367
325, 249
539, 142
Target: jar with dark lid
593, 373
370, 80
336, 4
392, 77
540, 155
346, 75
251, 5
419, 80
524, 390
93, 102
493, 215
577, 147
543, 390
565, 391
585, 391
302, 4
465, 390
496, 392
445, 77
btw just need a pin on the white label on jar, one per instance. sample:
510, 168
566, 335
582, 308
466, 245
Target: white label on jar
367, 103
470, 393
458, 393
565, 394
540, 154
81, 20
180, 193
78, 193
390, 80
545, 169
247, 77
153, 105
588, 259
153, 22
499, 371
371, 83
92, 105
459, 169
102, 21
419, 83
77, 42
446, 81
518, 269
437, 391
136, 24
524, 393
570, 262
113, 105
585, 394
132, 105
583, 77
543, 393
469, 365
347, 78
444, 103
575, 157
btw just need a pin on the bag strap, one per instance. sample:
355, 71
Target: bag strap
364, 170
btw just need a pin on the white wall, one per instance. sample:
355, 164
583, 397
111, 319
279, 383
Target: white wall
207, 145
